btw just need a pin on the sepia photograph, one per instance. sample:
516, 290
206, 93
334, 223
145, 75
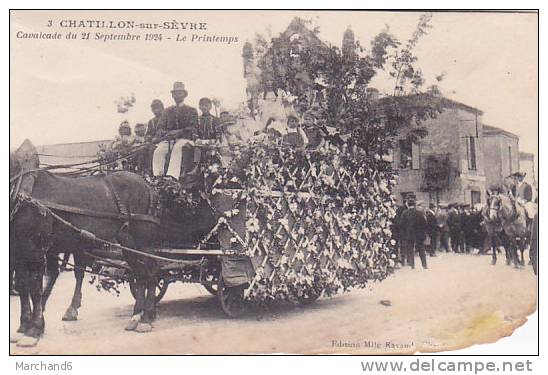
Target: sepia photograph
214, 182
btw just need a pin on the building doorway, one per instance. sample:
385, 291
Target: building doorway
475, 197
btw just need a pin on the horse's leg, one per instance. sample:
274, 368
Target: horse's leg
138, 308
52, 273
521, 248
507, 245
71, 314
494, 250
22, 283
513, 249
149, 306
36, 276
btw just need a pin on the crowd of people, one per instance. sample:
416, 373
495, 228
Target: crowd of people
454, 227
445, 227
177, 133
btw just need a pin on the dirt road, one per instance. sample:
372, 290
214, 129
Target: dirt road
460, 300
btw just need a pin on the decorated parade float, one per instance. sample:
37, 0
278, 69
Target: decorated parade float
272, 219
269, 217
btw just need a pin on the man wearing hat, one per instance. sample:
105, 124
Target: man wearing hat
177, 125
522, 190
433, 230
208, 130
468, 226
443, 229
157, 108
455, 228
124, 138
415, 228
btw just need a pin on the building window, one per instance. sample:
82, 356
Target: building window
471, 151
409, 155
510, 160
406, 154
475, 197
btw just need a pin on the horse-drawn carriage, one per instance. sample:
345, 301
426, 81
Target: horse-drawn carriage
260, 223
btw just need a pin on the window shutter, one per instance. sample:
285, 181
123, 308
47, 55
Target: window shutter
467, 151
465, 159
416, 156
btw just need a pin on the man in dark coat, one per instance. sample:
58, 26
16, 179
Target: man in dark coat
157, 108
397, 232
443, 229
522, 190
178, 124
432, 229
208, 130
467, 226
474, 232
455, 228
414, 221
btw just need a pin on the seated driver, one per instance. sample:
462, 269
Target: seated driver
174, 134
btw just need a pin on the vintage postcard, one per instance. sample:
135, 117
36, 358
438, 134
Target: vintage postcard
256, 182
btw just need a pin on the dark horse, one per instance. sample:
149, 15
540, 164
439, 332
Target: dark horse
118, 207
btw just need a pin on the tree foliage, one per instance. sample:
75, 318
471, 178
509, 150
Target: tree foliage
438, 172
331, 84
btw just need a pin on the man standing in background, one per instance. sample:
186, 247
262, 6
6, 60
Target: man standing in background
414, 222
432, 228
455, 228
443, 229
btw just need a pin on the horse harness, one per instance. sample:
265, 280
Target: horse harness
17, 197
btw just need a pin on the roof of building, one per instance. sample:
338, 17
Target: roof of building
64, 153
449, 103
492, 131
526, 156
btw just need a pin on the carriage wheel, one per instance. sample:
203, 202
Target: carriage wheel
231, 299
161, 289
211, 288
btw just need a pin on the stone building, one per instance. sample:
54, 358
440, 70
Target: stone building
448, 164
527, 164
501, 155
68, 153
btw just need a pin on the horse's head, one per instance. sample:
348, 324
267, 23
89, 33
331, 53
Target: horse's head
25, 158
493, 206
15, 165
500, 207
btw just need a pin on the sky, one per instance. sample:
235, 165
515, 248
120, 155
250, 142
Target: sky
65, 90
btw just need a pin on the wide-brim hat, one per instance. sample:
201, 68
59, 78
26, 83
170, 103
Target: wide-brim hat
519, 174
179, 86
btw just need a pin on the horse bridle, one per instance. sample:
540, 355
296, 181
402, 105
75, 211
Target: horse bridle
494, 209
15, 195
